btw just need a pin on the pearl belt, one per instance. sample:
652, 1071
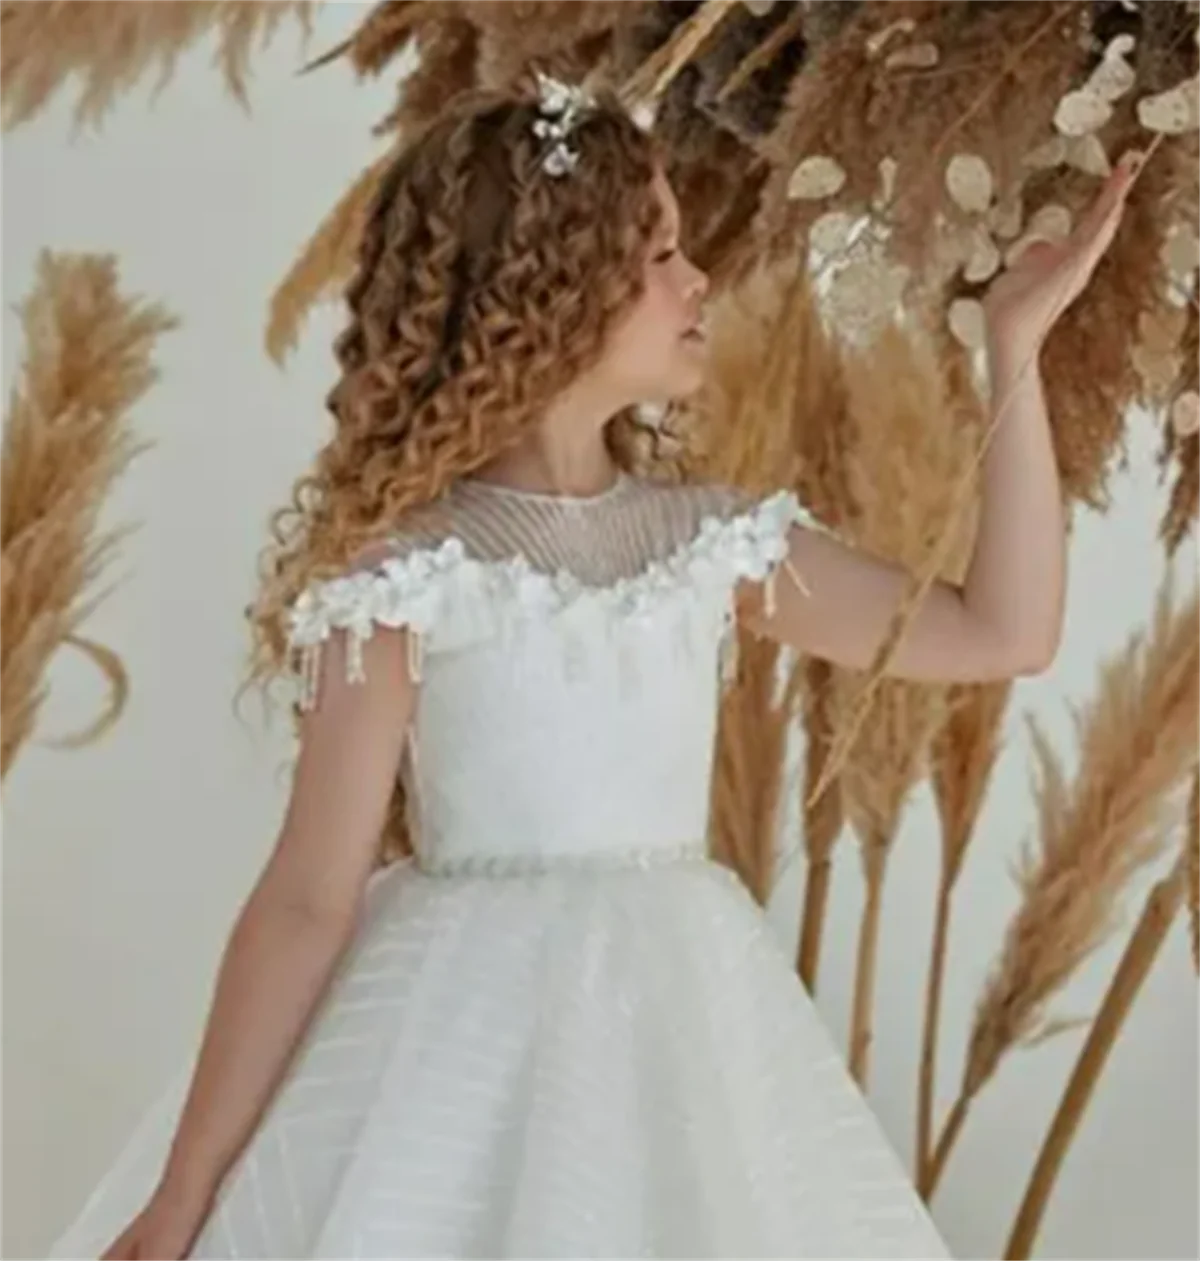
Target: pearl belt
499, 866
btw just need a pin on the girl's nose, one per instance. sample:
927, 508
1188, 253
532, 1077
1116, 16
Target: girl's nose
697, 285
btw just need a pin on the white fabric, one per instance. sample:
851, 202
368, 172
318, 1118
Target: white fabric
594, 1048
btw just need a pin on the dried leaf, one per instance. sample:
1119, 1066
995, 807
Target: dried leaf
878, 40
984, 261
1080, 112
967, 323
1005, 218
1181, 253
915, 57
888, 168
1087, 154
1174, 112
831, 232
1050, 223
1112, 78
1185, 414
1048, 155
815, 178
969, 182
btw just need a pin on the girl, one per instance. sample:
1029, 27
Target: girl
555, 1028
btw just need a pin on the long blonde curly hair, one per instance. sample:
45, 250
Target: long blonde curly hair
483, 287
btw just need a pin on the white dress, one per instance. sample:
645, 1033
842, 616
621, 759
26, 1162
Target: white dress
562, 1031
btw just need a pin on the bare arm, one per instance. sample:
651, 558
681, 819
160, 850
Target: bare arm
1006, 617
300, 915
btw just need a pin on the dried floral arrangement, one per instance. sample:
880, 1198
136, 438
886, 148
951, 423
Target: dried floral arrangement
854, 174
67, 438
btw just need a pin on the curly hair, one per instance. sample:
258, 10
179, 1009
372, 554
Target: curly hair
483, 287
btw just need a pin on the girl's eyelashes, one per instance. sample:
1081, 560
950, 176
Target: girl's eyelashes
663, 255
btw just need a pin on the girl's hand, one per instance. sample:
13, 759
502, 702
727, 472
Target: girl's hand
1024, 301
164, 1230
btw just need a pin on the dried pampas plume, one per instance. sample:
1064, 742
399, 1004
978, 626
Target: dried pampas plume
773, 381
111, 44
1138, 746
325, 265
1182, 450
964, 753
66, 440
1158, 913
912, 440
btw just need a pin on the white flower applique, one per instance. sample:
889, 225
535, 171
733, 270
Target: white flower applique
442, 594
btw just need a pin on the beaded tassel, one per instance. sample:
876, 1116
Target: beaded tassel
416, 655
729, 652
355, 672
310, 675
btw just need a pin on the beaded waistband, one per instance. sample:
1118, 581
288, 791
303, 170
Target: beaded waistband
498, 866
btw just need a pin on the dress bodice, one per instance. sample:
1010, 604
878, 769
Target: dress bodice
571, 654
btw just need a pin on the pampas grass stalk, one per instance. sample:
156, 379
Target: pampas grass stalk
1138, 745
111, 44
964, 753
910, 439
1191, 866
652, 78
823, 820
66, 440
1158, 913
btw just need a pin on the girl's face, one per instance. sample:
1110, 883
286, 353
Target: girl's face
658, 351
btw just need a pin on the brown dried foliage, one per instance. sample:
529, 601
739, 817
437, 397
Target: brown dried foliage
112, 44
1018, 59
912, 440
1089, 374
772, 403
66, 440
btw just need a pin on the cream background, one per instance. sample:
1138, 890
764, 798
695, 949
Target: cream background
125, 863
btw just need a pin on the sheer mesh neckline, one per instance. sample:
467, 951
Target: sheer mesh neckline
475, 485
599, 539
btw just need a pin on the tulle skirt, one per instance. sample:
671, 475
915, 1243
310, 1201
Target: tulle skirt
563, 1065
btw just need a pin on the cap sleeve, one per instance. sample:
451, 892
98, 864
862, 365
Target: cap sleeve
435, 593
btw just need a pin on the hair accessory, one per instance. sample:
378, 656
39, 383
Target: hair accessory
561, 106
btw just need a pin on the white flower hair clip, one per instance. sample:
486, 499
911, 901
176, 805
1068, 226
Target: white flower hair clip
561, 106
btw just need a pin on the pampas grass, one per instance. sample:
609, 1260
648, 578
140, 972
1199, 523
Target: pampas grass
66, 440
1138, 745
963, 755
111, 44
770, 414
1087, 368
911, 443
850, 106
325, 264
822, 819
1158, 913
1182, 451
654, 76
